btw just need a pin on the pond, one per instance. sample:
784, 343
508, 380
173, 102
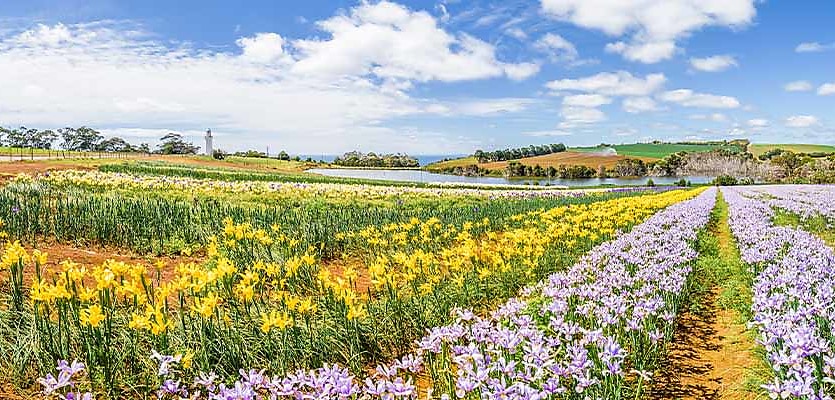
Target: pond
410, 175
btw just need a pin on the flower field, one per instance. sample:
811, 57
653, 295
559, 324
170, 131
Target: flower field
793, 289
321, 290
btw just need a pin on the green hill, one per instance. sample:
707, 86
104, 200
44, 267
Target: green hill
653, 150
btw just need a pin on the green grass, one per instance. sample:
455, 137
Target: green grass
757, 149
654, 150
720, 270
458, 162
818, 226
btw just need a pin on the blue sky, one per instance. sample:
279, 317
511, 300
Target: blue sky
424, 77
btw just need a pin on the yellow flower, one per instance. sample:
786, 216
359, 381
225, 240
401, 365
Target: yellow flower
274, 319
187, 359
92, 316
306, 306
39, 257
206, 306
139, 322
356, 311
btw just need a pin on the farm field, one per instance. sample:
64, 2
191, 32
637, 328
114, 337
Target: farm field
651, 150
758, 149
565, 158
183, 278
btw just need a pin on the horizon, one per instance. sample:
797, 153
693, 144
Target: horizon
422, 77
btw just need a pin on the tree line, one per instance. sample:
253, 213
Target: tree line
359, 159
88, 139
517, 153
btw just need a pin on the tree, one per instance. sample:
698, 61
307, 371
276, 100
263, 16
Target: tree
283, 156
43, 139
81, 139
114, 145
173, 143
16, 137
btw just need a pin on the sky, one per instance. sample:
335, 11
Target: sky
422, 76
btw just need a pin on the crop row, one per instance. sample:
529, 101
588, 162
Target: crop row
264, 299
593, 331
176, 217
793, 295
807, 201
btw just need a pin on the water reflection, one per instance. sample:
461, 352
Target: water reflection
406, 175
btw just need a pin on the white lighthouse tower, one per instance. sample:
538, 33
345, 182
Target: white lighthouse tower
209, 142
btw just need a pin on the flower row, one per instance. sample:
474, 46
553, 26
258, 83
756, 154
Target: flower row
793, 301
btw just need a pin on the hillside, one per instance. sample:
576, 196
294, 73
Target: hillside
652, 150
565, 158
757, 149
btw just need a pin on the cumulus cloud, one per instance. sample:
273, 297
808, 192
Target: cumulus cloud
575, 116
653, 27
798, 86
333, 93
639, 104
802, 121
390, 41
713, 63
619, 83
689, 98
553, 133
758, 123
264, 48
814, 47
715, 117
586, 100
556, 47
826, 89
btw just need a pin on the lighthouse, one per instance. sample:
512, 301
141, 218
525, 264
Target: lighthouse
208, 142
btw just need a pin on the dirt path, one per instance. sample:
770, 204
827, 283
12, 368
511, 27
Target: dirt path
711, 355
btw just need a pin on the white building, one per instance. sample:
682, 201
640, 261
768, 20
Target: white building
208, 142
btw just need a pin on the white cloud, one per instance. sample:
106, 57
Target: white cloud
715, 117
619, 83
118, 78
586, 100
639, 104
264, 48
826, 89
517, 33
547, 133
389, 41
713, 63
481, 107
653, 26
648, 53
814, 47
802, 121
574, 116
798, 86
556, 47
758, 123
689, 98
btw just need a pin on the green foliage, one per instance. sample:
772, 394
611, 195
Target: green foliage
173, 143
661, 150
725, 180
515, 154
174, 222
358, 159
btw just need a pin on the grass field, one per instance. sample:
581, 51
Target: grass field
650, 150
458, 162
565, 158
757, 149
